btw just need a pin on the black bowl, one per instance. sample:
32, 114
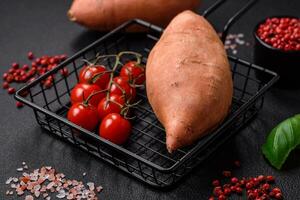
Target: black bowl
285, 63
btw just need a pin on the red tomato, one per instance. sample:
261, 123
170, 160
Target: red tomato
134, 72
84, 115
89, 72
106, 107
115, 128
123, 83
82, 91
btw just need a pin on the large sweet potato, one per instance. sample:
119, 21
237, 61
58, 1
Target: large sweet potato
189, 83
104, 15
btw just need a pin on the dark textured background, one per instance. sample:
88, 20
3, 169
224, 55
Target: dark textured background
42, 27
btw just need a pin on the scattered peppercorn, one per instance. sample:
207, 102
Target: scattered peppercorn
11, 90
5, 85
30, 55
19, 104
27, 73
255, 188
227, 173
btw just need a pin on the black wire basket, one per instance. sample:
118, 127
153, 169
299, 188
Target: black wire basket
144, 156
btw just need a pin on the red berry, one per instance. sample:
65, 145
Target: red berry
234, 180
251, 196
63, 57
276, 190
278, 196
44, 62
11, 71
266, 186
249, 185
9, 78
38, 61
239, 190
271, 194
260, 178
30, 55
264, 197
15, 65
32, 79
34, 65
211, 198
4, 76
216, 183
221, 197
270, 178
48, 83
227, 173
19, 104
64, 72
5, 85
218, 191
11, 90
52, 60
242, 182
227, 191
24, 78
25, 67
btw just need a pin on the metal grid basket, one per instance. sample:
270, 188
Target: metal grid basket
144, 156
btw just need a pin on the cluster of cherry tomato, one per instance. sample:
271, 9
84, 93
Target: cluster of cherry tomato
101, 97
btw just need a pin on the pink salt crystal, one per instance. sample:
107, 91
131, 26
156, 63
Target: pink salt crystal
70, 196
50, 185
99, 188
43, 189
37, 193
9, 180
29, 197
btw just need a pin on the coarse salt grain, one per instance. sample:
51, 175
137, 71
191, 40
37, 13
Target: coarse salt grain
29, 197
44, 180
9, 180
99, 188
20, 169
233, 41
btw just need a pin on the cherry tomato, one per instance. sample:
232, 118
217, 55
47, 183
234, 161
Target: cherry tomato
106, 107
115, 128
134, 72
82, 91
123, 83
84, 115
88, 73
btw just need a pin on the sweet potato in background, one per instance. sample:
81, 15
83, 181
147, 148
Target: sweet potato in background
105, 15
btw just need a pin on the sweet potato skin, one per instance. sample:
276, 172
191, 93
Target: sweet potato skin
189, 84
105, 15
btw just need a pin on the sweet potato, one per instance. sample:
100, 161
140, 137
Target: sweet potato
189, 83
104, 15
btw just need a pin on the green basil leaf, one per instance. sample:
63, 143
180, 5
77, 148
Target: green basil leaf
282, 140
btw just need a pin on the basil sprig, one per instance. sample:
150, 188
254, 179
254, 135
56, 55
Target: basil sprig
284, 138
